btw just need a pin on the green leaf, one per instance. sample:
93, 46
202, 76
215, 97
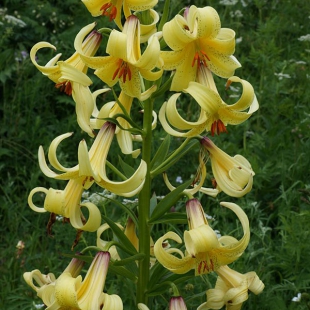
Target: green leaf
130, 259
161, 153
172, 218
128, 170
119, 270
122, 238
170, 200
165, 15
173, 158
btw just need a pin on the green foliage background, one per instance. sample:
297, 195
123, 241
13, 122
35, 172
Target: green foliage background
275, 59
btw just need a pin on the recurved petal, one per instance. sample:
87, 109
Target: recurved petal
94, 6
141, 5
191, 133
111, 302
117, 45
39, 278
208, 99
66, 291
176, 120
69, 73
247, 99
127, 188
94, 217
200, 240
149, 58
176, 34
51, 70
84, 106
169, 261
222, 65
206, 20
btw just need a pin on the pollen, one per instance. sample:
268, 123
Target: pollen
108, 9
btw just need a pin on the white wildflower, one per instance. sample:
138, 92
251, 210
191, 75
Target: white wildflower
297, 298
15, 21
305, 38
179, 179
282, 76
228, 2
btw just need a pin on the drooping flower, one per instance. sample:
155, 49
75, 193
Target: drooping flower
125, 63
109, 110
70, 292
205, 252
38, 281
177, 303
214, 115
67, 204
233, 175
231, 289
92, 164
113, 8
70, 76
196, 40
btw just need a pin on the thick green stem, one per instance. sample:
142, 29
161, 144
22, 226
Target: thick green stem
144, 207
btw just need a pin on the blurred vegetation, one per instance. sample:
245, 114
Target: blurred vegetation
274, 50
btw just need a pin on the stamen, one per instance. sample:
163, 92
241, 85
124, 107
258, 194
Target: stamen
218, 127
65, 87
108, 9
200, 57
122, 71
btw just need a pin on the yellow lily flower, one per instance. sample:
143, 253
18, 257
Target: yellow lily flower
231, 289
204, 251
43, 281
215, 114
201, 175
112, 8
124, 137
67, 204
196, 40
92, 164
125, 64
70, 292
70, 76
233, 175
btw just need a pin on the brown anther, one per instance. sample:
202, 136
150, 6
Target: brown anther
122, 71
108, 9
65, 87
200, 57
228, 83
218, 127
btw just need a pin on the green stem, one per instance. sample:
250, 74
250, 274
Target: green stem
144, 207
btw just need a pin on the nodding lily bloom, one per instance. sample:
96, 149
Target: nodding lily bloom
92, 164
205, 252
124, 137
215, 114
201, 175
196, 40
71, 292
233, 175
125, 64
112, 8
67, 204
231, 289
70, 76
44, 282
177, 303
